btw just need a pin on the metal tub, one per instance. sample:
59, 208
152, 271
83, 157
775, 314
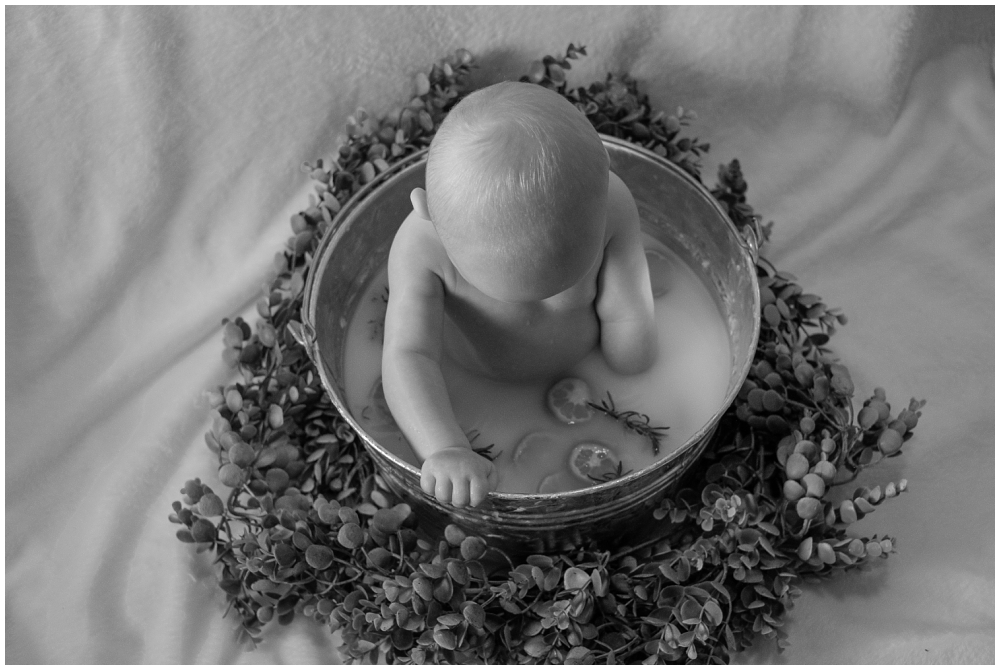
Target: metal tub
675, 209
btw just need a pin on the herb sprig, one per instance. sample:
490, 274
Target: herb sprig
606, 477
309, 528
486, 452
635, 422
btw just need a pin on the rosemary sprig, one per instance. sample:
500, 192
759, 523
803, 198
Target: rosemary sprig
486, 452
636, 422
609, 476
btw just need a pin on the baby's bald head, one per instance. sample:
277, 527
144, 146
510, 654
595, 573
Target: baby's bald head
517, 183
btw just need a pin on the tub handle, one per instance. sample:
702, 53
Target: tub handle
752, 237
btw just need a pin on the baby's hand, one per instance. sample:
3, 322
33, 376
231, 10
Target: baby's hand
459, 476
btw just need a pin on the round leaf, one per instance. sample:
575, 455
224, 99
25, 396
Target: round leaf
772, 315
454, 535
889, 442
574, 578
203, 530
423, 84
793, 490
423, 588
285, 554
350, 535
848, 513
241, 454
328, 513
277, 480
320, 557
808, 508
805, 549
234, 401
577, 656
211, 505
231, 475
814, 484
536, 646
390, 520
444, 589
458, 572
474, 614
867, 417
473, 548
380, 558
450, 620
773, 401
797, 466
445, 639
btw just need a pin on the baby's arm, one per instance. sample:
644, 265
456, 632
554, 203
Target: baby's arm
624, 296
414, 387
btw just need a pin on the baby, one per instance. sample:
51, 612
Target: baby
522, 255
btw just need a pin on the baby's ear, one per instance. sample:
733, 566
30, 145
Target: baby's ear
418, 197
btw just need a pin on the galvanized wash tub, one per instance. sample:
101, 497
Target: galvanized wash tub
675, 209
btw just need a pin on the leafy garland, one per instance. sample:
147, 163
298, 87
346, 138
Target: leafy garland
309, 528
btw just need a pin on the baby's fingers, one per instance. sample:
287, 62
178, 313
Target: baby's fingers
442, 490
478, 489
427, 481
460, 493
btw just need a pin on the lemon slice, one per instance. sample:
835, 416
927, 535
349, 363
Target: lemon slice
532, 446
558, 483
569, 400
590, 461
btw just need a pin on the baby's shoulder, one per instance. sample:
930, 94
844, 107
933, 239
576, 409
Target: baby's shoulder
620, 199
417, 251
623, 215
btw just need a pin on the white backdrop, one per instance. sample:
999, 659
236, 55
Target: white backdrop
152, 165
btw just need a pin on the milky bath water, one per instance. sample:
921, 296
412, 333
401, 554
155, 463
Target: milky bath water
533, 448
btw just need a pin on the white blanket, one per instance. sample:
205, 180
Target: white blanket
152, 165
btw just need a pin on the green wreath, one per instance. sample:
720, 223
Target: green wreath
309, 528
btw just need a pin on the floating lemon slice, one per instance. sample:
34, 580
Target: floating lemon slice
559, 482
659, 272
534, 446
590, 461
569, 400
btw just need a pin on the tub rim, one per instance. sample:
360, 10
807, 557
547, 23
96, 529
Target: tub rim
748, 243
